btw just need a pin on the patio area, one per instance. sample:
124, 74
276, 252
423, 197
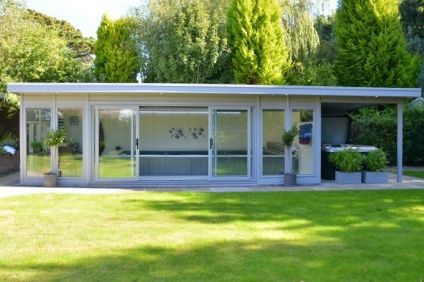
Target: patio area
9, 186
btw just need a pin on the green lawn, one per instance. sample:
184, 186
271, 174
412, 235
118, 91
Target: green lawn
299, 236
415, 173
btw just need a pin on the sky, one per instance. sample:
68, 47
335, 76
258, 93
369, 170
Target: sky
85, 15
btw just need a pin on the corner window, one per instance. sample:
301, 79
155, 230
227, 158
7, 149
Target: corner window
38, 159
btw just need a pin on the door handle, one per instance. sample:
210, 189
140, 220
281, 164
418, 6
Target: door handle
210, 143
136, 143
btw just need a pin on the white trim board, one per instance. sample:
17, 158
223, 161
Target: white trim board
199, 89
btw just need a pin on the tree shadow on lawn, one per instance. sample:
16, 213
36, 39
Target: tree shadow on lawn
316, 208
259, 260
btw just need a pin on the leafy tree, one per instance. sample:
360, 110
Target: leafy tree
371, 46
259, 51
115, 49
83, 47
184, 42
412, 17
32, 52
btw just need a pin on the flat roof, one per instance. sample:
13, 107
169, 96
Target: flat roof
227, 89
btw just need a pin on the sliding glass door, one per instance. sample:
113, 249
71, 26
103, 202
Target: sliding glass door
167, 143
115, 147
173, 142
230, 143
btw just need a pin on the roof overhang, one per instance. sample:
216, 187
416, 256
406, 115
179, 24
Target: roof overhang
195, 89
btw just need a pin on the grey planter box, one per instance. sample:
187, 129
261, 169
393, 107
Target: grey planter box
290, 179
50, 180
348, 177
375, 177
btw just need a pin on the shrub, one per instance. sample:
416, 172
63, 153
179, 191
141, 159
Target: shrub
347, 160
8, 139
55, 137
377, 127
37, 147
289, 135
375, 161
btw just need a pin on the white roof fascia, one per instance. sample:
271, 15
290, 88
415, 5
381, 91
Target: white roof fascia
228, 89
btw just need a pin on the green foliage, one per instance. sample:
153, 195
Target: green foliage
259, 51
371, 46
300, 34
412, 18
37, 147
32, 52
288, 136
375, 161
55, 137
116, 53
82, 47
347, 160
9, 139
9, 115
377, 127
185, 42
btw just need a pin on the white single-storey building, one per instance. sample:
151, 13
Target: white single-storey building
187, 134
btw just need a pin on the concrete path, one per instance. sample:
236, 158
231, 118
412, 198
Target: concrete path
9, 187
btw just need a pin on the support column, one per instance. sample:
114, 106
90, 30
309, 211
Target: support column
399, 142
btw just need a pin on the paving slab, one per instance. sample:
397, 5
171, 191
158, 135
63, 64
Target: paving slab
9, 187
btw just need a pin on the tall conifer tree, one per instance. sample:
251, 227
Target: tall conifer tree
115, 49
259, 52
371, 46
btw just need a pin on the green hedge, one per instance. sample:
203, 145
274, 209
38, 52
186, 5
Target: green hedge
377, 127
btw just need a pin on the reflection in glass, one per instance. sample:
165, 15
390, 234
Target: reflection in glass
302, 147
116, 159
38, 155
173, 141
70, 153
272, 146
231, 146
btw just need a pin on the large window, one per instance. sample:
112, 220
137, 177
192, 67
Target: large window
173, 141
115, 143
38, 154
303, 152
70, 153
272, 146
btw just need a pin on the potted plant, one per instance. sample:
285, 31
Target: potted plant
53, 139
348, 164
288, 138
375, 165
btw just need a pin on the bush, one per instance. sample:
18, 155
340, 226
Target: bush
8, 139
375, 161
377, 127
347, 160
288, 136
54, 138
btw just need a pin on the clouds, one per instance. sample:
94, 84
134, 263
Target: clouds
83, 14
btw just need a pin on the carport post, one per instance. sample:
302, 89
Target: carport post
399, 142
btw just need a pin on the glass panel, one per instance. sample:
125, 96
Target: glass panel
115, 143
70, 153
38, 155
303, 153
173, 141
231, 146
272, 146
